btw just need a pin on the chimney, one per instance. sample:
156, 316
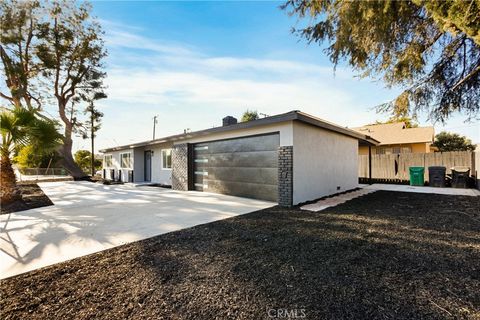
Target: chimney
229, 120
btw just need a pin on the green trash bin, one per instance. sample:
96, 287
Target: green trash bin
416, 176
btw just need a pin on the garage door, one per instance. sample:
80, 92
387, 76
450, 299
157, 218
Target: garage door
245, 167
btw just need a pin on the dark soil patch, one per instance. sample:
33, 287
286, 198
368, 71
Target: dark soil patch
32, 197
159, 185
387, 255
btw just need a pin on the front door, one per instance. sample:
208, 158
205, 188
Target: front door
148, 165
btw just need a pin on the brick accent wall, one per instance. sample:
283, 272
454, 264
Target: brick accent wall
180, 167
285, 176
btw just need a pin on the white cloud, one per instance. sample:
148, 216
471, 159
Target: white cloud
125, 39
190, 89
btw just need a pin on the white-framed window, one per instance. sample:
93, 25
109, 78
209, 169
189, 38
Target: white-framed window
107, 161
126, 160
166, 158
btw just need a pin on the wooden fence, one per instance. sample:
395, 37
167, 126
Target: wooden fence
395, 167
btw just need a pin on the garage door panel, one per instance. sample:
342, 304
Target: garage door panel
260, 159
242, 189
239, 174
246, 167
257, 143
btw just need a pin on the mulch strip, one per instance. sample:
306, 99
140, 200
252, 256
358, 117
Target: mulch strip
32, 197
386, 255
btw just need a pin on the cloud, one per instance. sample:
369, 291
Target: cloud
125, 39
192, 89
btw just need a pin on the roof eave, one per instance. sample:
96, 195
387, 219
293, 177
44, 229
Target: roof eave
335, 128
289, 116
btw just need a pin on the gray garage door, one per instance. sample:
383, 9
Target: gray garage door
245, 167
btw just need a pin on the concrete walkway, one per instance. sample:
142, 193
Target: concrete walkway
333, 201
89, 217
366, 189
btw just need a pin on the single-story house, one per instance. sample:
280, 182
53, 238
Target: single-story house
397, 138
288, 158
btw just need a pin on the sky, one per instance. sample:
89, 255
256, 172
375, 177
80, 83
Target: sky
193, 63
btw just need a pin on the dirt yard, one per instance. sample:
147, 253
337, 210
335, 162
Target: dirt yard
387, 255
32, 197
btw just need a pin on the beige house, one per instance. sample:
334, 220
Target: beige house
397, 138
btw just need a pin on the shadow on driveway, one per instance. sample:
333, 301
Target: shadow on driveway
89, 217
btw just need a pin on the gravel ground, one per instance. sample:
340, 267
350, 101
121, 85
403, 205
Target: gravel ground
32, 197
387, 255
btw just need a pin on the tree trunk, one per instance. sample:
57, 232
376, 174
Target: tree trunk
92, 136
8, 185
68, 161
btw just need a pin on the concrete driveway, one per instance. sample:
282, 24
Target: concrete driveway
89, 217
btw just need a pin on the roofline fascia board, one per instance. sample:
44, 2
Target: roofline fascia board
241, 125
289, 116
395, 143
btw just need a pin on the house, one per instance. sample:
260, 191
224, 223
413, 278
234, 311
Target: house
397, 138
288, 158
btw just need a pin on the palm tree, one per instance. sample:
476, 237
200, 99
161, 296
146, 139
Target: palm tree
20, 127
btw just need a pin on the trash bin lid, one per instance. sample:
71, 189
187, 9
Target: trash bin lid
461, 169
416, 168
437, 168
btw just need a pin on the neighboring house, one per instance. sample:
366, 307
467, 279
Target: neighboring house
397, 138
288, 158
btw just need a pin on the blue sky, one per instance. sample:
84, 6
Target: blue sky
192, 63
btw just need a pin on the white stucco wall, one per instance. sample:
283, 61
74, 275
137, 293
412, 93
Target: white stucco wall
116, 165
160, 175
285, 129
322, 160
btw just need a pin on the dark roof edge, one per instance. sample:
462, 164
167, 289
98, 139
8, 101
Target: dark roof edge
289, 116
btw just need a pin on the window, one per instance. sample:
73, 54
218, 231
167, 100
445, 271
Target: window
107, 161
406, 150
167, 158
393, 150
384, 150
126, 160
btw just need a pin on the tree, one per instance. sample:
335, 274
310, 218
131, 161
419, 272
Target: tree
447, 141
72, 52
84, 159
20, 127
31, 156
93, 125
409, 122
63, 60
429, 48
250, 115
20, 66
